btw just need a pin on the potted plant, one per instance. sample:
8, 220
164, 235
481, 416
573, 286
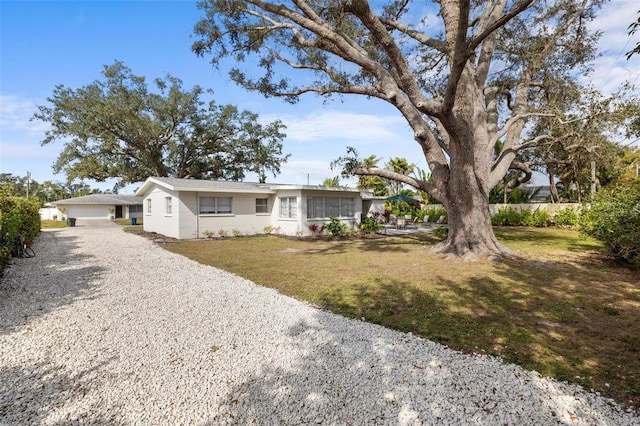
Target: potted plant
112, 213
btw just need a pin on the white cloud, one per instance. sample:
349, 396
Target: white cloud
15, 115
352, 128
613, 69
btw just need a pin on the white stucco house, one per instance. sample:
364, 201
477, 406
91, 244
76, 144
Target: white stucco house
94, 206
191, 208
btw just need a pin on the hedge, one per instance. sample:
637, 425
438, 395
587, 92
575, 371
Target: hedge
17, 215
613, 217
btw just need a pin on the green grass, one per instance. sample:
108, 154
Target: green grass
560, 308
125, 222
51, 224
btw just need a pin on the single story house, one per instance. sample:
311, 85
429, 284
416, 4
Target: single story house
191, 208
94, 206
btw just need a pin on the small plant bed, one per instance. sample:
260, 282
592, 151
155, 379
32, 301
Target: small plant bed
561, 308
153, 236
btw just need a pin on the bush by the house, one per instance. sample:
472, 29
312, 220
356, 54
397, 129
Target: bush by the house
370, 225
17, 215
335, 227
613, 217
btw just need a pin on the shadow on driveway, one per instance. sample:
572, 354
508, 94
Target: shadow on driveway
59, 274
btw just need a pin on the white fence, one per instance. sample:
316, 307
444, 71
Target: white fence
550, 207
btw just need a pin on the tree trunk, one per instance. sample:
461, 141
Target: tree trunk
553, 189
470, 232
469, 219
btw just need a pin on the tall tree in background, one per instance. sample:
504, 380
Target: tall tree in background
467, 76
399, 166
46, 191
119, 129
374, 183
332, 182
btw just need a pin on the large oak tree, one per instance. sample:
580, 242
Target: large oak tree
466, 77
118, 128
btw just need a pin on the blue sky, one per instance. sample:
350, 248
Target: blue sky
45, 43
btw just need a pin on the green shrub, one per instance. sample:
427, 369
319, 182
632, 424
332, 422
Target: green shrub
566, 217
441, 233
335, 227
435, 213
17, 215
541, 218
527, 218
370, 225
507, 216
613, 217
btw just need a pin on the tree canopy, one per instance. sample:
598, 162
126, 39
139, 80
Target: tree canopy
466, 76
117, 127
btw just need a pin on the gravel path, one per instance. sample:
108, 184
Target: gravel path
105, 327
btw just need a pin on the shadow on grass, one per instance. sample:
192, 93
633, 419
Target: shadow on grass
553, 237
571, 316
349, 372
560, 319
58, 275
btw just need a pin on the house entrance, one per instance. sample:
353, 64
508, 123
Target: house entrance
118, 212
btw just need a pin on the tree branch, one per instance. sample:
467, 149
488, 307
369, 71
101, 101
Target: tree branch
387, 174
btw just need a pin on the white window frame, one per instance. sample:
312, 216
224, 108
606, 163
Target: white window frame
148, 205
288, 208
324, 207
217, 206
168, 207
261, 206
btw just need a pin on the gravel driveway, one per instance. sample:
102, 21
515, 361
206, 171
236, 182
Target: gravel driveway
106, 327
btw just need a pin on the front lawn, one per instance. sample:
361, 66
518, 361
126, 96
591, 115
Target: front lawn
561, 308
51, 224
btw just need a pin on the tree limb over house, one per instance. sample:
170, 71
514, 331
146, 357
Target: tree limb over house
467, 76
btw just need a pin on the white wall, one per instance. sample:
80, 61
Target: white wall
50, 213
185, 222
351, 222
158, 220
285, 225
243, 218
550, 207
377, 206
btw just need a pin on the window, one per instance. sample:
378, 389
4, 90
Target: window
320, 207
215, 205
289, 207
149, 205
167, 205
262, 205
135, 209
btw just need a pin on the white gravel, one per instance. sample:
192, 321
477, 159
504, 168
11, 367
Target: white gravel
105, 327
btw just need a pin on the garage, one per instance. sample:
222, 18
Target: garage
99, 206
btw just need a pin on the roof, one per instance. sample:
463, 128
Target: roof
177, 184
192, 185
100, 199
